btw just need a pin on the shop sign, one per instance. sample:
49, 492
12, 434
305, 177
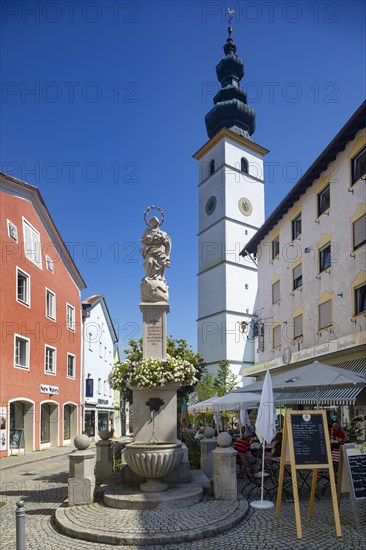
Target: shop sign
51, 390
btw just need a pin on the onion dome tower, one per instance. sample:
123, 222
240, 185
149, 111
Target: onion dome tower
231, 209
231, 109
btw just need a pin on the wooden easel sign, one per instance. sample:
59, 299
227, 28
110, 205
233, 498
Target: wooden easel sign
352, 475
306, 446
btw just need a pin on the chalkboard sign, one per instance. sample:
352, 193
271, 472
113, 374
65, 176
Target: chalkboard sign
309, 439
357, 466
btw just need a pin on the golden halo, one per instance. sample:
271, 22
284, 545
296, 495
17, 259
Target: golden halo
153, 207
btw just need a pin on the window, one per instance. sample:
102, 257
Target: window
297, 277
50, 304
23, 287
323, 200
276, 292
32, 244
70, 365
67, 422
325, 314
21, 355
50, 360
50, 264
244, 165
275, 247
212, 167
298, 326
324, 257
296, 227
277, 336
360, 299
70, 317
12, 231
45, 423
359, 165
359, 232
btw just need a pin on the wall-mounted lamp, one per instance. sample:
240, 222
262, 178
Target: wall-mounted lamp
243, 327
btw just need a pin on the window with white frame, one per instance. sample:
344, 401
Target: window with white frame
275, 248
70, 317
360, 299
359, 165
359, 232
296, 227
324, 200
325, 314
50, 304
298, 326
276, 292
277, 336
12, 231
23, 287
325, 260
32, 244
21, 352
297, 277
50, 264
70, 365
50, 360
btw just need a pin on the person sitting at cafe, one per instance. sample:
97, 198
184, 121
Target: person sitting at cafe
277, 445
336, 433
242, 445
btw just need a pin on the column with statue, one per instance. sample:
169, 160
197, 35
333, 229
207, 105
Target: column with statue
154, 380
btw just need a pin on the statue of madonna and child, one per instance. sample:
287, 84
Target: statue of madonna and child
156, 254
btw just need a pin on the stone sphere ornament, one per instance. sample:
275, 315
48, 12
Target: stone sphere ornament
224, 439
105, 434
81, 442
209, 432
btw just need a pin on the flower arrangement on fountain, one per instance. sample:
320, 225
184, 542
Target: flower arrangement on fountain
149, 373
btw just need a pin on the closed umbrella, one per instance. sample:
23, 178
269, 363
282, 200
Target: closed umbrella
265, 429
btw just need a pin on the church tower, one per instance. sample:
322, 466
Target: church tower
231, 209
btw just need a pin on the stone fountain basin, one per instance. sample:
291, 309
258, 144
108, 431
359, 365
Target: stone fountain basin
153, 461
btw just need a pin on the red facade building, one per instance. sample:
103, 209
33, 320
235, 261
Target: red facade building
40, 322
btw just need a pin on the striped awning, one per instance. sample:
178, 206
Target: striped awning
326, 397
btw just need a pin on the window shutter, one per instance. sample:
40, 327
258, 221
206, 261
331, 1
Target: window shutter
325, 314
359, 231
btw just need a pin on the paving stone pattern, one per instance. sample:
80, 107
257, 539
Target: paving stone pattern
43, 484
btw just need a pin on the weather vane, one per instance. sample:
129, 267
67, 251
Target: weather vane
231, 13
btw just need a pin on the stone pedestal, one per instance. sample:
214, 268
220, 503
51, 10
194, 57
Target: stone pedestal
104, 460
154, 329
81, 483
165, 424
224, 469
208, 444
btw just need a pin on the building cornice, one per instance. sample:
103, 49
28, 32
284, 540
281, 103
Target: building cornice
226, 133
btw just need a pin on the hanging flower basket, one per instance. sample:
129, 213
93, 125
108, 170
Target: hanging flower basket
150, 373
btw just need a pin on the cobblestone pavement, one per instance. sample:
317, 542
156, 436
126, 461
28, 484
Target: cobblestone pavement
43, 484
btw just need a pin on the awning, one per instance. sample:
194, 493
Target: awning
340, 396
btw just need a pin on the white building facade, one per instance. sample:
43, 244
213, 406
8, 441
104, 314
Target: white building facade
231, 209
311, 255
99, 340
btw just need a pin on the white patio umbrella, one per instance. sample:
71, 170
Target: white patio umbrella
265, 429
230, 402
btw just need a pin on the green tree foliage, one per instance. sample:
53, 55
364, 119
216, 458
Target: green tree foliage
225, 380
205, 387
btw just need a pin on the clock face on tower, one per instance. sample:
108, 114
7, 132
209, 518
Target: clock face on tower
245, 206
211, 205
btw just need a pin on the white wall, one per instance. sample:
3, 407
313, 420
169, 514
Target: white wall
344, 267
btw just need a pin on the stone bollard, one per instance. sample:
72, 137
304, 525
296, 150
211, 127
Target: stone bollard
20, 525
224, 469
208, 444
104, 461
81, 472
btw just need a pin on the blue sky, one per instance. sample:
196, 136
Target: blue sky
120, 91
